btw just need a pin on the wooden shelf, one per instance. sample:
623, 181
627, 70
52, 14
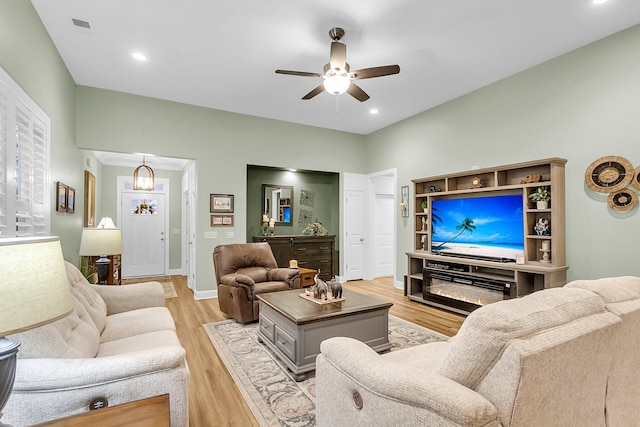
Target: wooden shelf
534, 274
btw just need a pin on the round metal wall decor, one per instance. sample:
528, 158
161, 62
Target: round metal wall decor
623, 200
609, 174
636, 178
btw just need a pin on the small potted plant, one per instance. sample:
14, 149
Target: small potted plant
541, 196
424, 205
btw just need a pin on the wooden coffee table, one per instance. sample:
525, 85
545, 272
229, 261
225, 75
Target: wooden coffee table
293, 327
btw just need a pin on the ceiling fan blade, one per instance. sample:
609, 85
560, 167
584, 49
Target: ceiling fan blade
357, 93
338, 57
314, 92
368, 73
298, 73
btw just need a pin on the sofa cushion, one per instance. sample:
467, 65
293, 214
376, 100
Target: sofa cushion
611, 289
136, 322
73, 336
486, 331
81, 290
140, 342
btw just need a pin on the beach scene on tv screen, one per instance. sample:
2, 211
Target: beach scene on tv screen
483, 227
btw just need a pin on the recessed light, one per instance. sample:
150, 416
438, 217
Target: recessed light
373, 111
293, 170
599, 1
139, 56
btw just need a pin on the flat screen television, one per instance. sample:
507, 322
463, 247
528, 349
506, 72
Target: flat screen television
490, 227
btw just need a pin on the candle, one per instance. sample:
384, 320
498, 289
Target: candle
545, 245
272, 222
265, 218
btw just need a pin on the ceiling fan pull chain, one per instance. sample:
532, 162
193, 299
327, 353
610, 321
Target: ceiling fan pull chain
337, 112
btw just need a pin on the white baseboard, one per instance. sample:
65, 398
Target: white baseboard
176, 272
398, 284
205, 294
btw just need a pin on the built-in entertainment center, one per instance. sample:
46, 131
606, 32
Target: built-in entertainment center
480, 238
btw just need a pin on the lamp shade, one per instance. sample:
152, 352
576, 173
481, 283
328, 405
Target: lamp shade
34, 289
101, 241
106, 222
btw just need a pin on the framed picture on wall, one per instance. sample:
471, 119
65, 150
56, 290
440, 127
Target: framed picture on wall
89, 199
61, 197
221, 220
221, 203
71, 200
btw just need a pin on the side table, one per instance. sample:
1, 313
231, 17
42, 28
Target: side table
149, 412
306, 276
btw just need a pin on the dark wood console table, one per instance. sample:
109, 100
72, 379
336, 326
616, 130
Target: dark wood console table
314, 252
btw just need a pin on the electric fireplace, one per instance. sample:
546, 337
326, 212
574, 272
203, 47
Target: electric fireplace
463, 292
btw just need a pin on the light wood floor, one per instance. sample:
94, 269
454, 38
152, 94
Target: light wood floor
214, 400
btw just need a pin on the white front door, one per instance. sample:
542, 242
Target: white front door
143, 234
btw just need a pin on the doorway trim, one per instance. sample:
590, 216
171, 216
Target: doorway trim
350, 180
161, 186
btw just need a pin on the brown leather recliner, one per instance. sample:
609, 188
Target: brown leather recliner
244, 270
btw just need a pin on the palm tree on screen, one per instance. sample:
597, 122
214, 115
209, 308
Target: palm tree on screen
466, 225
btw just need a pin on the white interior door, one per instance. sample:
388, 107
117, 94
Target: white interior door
383, 239
355, 225
143, 234
190, 226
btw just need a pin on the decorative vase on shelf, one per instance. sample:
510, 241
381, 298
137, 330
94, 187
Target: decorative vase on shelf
542, 227
542, 204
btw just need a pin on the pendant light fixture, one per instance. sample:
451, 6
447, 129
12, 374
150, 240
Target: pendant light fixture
143, 182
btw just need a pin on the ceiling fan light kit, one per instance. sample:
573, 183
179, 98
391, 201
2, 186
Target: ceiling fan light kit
337, 78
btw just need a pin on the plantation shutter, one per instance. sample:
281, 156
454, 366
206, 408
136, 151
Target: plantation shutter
24, 163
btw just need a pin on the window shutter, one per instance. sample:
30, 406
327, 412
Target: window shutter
24, 163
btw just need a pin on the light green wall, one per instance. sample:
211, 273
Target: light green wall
223, 144
108, 195
580, 106
30, 58
326, 205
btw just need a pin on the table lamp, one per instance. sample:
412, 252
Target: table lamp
34, 291
102, 242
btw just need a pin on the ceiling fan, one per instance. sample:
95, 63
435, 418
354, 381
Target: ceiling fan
337, 75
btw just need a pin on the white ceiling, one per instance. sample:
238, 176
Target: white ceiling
223, 54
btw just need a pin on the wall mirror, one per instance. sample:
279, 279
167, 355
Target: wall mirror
277, 203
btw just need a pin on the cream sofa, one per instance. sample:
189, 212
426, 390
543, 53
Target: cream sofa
118, 343
558, 357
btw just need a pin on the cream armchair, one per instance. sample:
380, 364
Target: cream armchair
540, 360
118, 343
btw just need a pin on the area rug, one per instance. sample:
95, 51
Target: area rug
273, 396
165, 281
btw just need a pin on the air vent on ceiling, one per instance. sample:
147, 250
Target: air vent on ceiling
81, 23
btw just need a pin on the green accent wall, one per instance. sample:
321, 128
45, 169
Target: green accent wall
326, 199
